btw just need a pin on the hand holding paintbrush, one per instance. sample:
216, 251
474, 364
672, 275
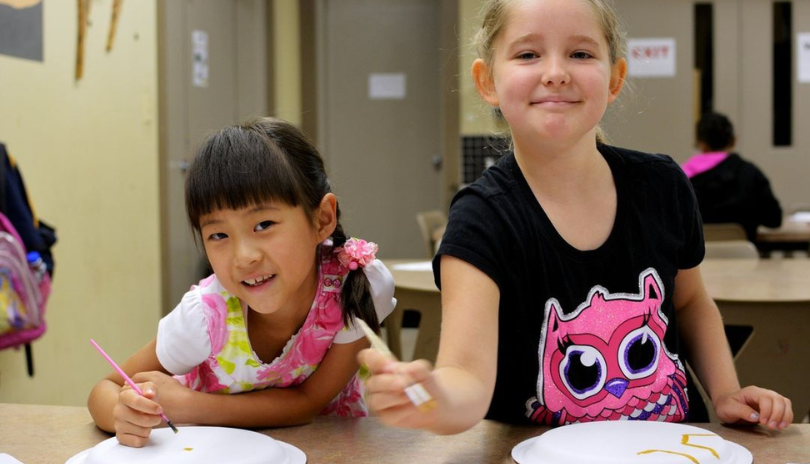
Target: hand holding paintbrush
416, 392
128, 380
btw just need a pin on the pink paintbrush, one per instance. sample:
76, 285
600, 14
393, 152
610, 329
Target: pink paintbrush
128, 380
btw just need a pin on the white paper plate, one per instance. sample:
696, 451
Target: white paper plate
624, 442
197, 445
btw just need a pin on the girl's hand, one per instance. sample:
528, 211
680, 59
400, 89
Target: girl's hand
385, 390
173, 395
752, 405
135, 415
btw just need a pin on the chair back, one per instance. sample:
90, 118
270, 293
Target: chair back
429, 223
725, 249
724, 231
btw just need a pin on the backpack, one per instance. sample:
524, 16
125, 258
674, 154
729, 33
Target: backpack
25, 263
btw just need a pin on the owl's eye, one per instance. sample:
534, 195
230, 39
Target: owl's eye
639, 353
583, 371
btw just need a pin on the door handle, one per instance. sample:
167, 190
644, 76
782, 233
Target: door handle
182, 165
437, 162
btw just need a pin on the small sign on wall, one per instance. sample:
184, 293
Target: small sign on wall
199, 50
652, 57
389, 86
21, 29
803, 58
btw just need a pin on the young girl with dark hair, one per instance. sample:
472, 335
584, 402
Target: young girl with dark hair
276, 318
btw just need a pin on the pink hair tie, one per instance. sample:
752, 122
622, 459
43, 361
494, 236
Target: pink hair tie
356, 253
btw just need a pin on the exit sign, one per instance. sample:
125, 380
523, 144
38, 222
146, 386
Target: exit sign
651, 57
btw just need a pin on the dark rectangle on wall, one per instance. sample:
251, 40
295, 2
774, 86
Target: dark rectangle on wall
704, 54
478, 152
21, 32
782, 74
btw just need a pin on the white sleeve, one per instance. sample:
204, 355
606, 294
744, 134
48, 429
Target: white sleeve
182, 339
381, 283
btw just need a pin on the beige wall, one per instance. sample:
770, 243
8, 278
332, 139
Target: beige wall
287, 65
475, 115
88, 151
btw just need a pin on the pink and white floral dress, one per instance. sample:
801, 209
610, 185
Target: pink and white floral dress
204, 340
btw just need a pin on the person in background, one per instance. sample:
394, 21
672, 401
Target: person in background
570, 278
269, 338
729, 189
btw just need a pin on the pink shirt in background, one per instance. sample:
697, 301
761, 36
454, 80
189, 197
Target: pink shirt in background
703, 162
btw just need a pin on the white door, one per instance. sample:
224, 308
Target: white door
380, 125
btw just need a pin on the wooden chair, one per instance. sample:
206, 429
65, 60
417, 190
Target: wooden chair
725, 249
430, 222
707, 400
724, 231
431, 225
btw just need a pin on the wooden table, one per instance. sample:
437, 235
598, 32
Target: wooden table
757, 281
415, 290
773, 297
793, 235
52, 434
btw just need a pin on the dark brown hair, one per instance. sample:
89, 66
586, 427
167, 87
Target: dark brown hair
716, 131
269, 160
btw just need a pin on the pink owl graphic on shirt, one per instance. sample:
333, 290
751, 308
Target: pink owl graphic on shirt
607, 360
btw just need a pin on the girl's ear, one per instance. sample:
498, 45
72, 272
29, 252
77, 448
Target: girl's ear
484, 83
326, 216
618, 73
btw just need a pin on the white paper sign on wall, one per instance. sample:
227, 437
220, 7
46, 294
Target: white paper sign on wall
803, 58
651, 57
387, 86
199, 50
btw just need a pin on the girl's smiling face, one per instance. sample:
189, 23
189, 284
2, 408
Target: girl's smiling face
265, 254
551, 72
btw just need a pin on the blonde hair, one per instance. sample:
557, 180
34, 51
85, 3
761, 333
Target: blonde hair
495, 13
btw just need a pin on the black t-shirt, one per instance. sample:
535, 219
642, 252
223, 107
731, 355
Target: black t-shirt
595, 318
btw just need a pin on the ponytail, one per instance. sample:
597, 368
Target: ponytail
355, 297
601, 137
